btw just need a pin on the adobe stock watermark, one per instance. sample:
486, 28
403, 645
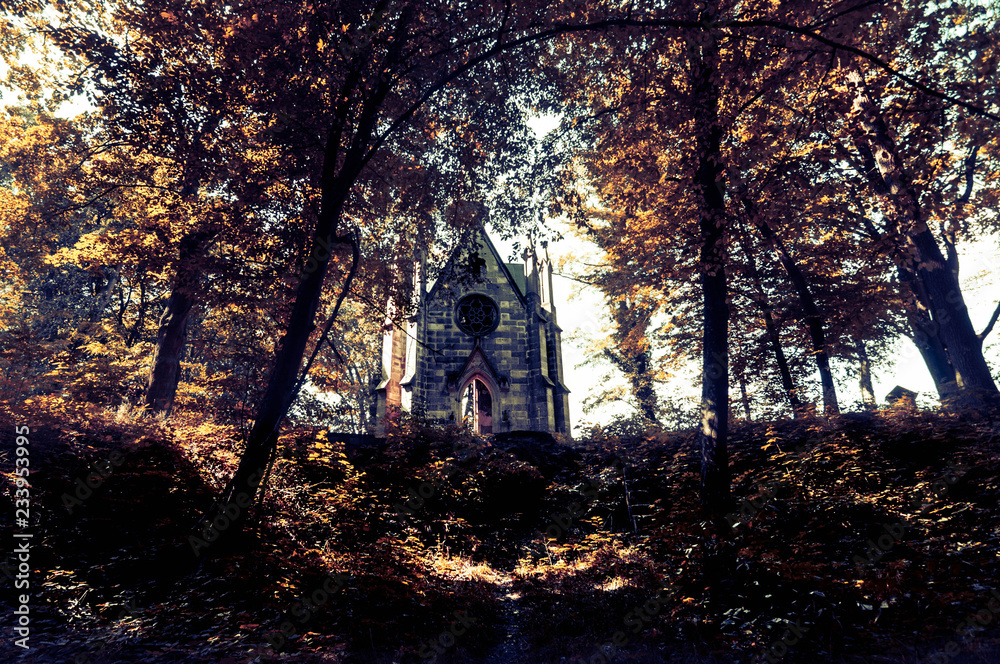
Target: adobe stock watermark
304, 609
228, 513
560, 523
979, 620
448, 638
751, 507
636, 620
895, 532
84, 487
22, 538
97, 655
428, 489
780, 647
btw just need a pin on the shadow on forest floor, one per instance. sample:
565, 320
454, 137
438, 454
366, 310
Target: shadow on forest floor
865, 538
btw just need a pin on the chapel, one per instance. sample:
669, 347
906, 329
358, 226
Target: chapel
483, 347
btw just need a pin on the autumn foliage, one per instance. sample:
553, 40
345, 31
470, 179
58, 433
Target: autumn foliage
581, 535
198, 262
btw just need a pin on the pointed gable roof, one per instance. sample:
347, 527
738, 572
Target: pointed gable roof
479, 234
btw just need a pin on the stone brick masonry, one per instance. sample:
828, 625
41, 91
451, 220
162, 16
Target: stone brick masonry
431, 364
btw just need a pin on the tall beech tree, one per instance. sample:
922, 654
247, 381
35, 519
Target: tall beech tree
44, 208
919, 251
918, 149
919, 327
380, 67
667, 195
166, 94
813, 319
708, 182
633, 353
628, 348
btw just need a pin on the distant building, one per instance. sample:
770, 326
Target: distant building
900, 396
483, 348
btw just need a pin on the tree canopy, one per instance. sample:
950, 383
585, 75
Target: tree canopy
241, 206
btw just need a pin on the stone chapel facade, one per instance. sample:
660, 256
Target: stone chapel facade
483, 348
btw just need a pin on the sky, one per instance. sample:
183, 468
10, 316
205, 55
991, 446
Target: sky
580, 312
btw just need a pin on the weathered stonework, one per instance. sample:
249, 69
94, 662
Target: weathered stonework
507, 379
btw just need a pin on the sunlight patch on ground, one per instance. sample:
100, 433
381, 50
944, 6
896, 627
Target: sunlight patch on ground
526, 568
462, 569
617, 583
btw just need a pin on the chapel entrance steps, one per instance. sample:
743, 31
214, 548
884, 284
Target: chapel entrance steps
642, 509
633, 511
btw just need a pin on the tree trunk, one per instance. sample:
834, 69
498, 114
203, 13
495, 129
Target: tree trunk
744, 398
642, 388
140, 323
773, 337
771, 329
956, 334
919, 252
281, 384
340, 170
928, 342
715, 489
283, 381
923, 330
171, 338
814, 321
865, 376
632, 355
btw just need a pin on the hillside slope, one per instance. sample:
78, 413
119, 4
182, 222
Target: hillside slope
864, 538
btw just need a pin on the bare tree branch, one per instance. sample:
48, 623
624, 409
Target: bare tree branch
989, 327
970, 171
546, 33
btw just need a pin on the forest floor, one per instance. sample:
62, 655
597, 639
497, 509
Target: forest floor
863, 538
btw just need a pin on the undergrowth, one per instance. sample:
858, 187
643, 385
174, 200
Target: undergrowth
558, 545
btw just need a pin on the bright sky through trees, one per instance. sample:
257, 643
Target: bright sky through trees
582, 315
582, 312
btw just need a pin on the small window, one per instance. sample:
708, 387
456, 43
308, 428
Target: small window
475, 266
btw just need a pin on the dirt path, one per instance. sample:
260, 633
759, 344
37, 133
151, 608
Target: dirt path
513, 647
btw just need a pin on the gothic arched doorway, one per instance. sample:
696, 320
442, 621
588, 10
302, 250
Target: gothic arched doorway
477, 407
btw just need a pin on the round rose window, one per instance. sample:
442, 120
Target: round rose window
477, 315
